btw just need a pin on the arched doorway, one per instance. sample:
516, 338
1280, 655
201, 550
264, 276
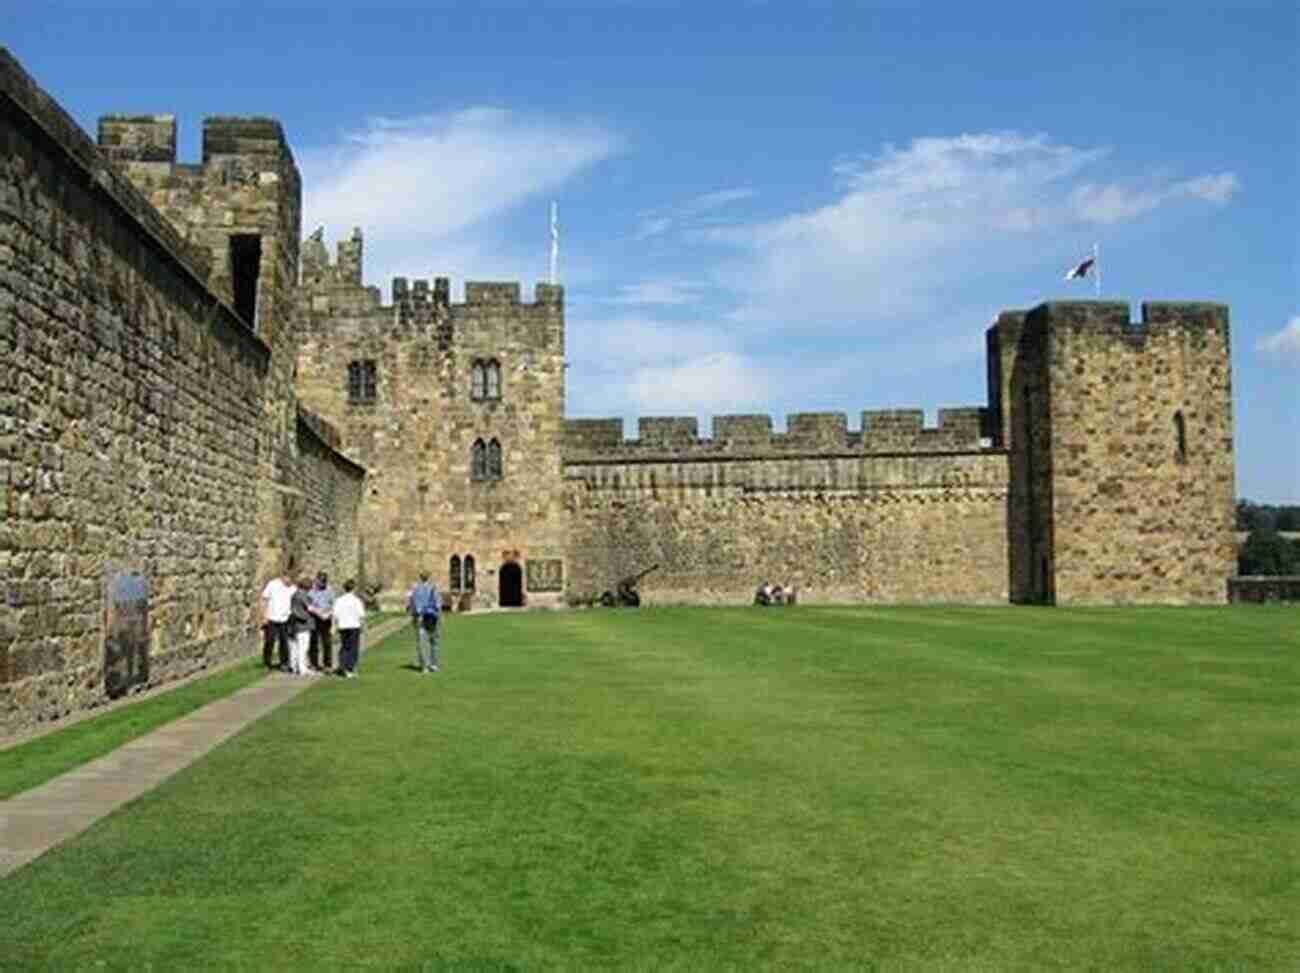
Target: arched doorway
511, 583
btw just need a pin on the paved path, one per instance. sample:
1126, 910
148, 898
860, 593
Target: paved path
35, 821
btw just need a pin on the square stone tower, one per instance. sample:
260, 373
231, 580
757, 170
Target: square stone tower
1121, 451
242, 206
456, 410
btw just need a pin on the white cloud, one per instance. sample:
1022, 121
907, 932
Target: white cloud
644, 366
657, 222
1212, 189
913, 225
1117, 203
626, 342
1285, 344
664, 291
722, 382
423, 188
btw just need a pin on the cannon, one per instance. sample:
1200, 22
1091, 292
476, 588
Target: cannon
625, 593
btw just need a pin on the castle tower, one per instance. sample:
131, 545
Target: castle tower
243, 207
456, 410
1121, 451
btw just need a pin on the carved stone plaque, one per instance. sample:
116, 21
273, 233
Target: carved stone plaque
126, 631
546, 574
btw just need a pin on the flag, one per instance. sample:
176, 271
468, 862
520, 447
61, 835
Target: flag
1082, 269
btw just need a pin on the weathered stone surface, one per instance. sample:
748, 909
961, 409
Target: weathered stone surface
1122, 485
143, 421
840, 528
423, 504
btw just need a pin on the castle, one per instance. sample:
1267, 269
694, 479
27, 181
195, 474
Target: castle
195, 397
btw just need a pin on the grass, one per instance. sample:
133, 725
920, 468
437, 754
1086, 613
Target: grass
30, 764
685, 788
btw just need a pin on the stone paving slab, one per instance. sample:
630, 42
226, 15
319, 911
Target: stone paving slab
33, 822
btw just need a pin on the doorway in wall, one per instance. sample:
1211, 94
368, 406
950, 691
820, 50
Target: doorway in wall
511, 583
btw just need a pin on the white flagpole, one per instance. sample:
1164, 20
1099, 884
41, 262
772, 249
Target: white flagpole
555, 240
1096, 265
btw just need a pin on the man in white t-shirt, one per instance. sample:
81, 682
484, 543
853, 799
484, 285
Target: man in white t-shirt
277, 597
349, 616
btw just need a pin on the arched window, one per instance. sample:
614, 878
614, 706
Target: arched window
469, 572
1180, 434
454, 572
493, 369
477, 380
494, 460
478, 467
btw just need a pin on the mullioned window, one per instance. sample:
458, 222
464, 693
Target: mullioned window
485, 379
361, 381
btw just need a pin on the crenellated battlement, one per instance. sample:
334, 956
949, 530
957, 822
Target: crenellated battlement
242, 203
1114, 318
138, 138
334, 287
888, 431
236, 146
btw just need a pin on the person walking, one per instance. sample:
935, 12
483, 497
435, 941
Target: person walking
425, 608
349, 614
320, 654
277, 597
300, 629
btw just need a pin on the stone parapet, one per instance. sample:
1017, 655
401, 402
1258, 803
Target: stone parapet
92, 170
890, 431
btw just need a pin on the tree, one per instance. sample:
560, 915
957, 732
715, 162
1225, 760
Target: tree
1251, 515
1287, 518
1267, 552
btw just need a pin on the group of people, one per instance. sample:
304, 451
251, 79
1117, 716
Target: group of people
299, 618
775, 594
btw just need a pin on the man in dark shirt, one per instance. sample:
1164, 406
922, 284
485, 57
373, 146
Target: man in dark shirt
321, 603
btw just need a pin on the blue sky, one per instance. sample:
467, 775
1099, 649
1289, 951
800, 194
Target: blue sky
767, 207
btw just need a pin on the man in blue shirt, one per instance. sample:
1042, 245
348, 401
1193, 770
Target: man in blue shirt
425, 608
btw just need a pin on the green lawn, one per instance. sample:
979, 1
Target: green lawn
895, 788
29, 764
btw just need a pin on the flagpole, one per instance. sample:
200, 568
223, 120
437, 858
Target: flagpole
555, 240
1096, 263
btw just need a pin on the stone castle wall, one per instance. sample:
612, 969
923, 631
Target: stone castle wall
322, 505
897, 513
423, 504
130, 410
133, 446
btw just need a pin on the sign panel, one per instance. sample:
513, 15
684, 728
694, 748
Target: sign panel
126, 631
546, 574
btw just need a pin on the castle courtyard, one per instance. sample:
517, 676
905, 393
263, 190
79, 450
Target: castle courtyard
853, 446
825, 787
